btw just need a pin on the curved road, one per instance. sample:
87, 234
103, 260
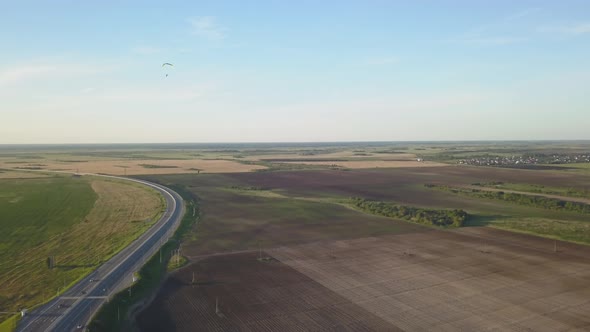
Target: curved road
77, 305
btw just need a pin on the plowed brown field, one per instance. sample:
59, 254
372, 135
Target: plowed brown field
409, 277
472, 279
252, 296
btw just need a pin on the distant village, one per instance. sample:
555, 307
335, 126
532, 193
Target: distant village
535, 159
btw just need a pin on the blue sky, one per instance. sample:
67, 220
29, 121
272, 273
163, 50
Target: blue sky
263, 71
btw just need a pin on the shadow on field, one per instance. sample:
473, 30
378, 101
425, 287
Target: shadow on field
73, 266
481, 220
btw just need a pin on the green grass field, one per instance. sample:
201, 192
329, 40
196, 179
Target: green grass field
32, 212
539, 189
573, 231
35, 210
54, 216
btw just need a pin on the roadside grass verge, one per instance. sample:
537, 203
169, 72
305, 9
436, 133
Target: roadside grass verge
9, 325
118, 313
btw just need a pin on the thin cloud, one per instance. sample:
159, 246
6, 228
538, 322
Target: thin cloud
146, 50
498, 32
21, 73
485, 40
33, 72
87, 90
571, 29
521, 14
207, 27
156, 95
380, 61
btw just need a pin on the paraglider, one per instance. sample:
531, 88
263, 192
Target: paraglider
167, 65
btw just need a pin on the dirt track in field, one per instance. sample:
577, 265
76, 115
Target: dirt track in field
252, 296
472, 279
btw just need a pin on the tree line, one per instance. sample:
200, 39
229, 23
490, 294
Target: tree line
442, 218
522, 199
536, 188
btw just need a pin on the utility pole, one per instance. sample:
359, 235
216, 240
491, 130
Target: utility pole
216, 305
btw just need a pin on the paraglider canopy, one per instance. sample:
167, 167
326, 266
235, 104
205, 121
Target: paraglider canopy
167, 65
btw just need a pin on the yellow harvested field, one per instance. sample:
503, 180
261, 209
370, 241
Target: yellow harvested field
6, 174
121, 213
371, 163
121, 206
140, 167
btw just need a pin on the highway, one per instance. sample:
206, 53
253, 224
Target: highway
73, 309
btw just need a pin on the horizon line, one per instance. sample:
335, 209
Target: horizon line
295, 142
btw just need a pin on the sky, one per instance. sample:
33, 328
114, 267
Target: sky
293, 71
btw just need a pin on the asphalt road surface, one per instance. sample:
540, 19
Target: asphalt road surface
73, 309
